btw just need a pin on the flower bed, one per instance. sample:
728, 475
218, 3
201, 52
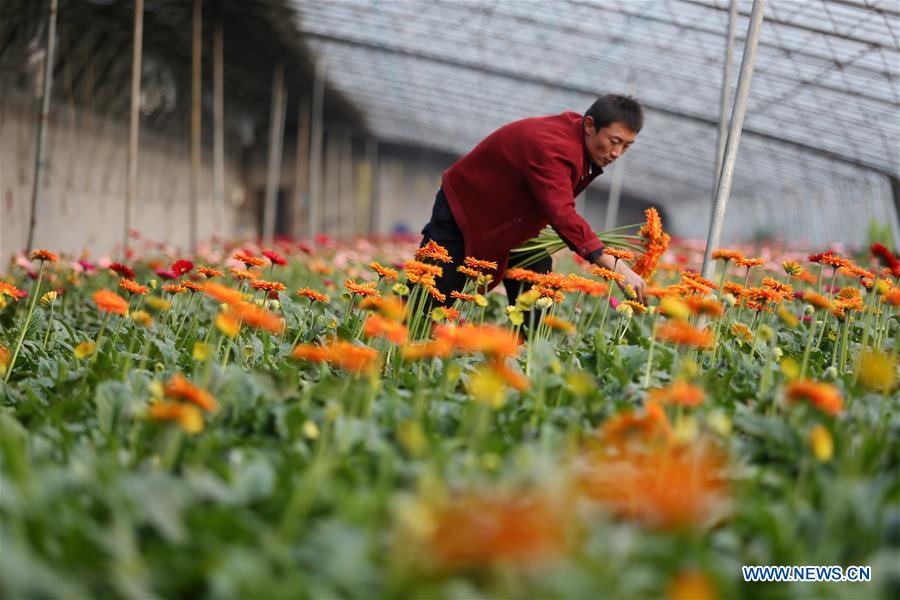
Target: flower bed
243, 424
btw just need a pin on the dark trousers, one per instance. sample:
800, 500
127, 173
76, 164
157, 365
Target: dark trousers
442, 228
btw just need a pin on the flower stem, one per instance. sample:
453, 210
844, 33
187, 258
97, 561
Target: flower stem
34, 297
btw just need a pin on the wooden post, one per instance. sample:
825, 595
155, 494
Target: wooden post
218, 127
195, 123
134, 131
301, 172
42, 123
276, 133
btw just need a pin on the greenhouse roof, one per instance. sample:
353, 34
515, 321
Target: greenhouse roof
824, 109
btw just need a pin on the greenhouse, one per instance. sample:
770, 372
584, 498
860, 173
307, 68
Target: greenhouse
450, 298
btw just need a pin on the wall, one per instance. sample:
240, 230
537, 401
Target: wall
83, 201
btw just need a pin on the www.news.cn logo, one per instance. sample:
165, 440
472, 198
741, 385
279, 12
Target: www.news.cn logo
807, 573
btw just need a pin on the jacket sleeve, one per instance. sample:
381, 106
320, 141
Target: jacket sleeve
549, 178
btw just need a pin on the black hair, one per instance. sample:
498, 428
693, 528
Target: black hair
616, 108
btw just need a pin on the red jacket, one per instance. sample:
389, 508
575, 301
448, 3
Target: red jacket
516, 181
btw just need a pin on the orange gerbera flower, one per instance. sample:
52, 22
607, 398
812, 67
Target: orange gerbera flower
554, 280
607, 274
383, 271
222, 293
628, 427
244, 275
637, 307
434, 251
488, 339
549, 292
44, 255
419, 268
559, 324
469, 272
823, 396
705, 306
180, 388
258, 317
519, 274
378, 326
347, 356
187, 416
110, 302
619, 253
436, 293
464, 297
174, 288
727, 255
702, 282
439, 348
133, 286
209, 272
764, 295
477, 529
817, 300
684, 334
511, 377
362, 289
892, 297
749, 262
390, 307
586, 286
8, 289
269, 286
249, 260
666, 487
483, 265
312, 294
740, 330
735, 289
785, 290
187, 283
421, 279
834, 260
680, 393
655, 243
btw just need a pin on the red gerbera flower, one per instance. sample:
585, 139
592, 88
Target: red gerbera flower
180, 267
123, 271
276, 258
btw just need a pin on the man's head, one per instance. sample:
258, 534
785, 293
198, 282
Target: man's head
610, 126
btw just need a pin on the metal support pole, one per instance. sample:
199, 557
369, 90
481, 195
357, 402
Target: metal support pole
276, 133
195, 123
42, 123
723, 189
315, 154
725, 113
346, 188
301, 173
134, 131
218, 127
615, 193
372, 162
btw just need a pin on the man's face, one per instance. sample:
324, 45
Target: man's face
607, 144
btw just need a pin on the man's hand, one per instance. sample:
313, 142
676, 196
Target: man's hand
631, 278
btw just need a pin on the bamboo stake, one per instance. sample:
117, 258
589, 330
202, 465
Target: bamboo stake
42, 122
195, 123
134, 131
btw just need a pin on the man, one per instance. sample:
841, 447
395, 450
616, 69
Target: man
524, 176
